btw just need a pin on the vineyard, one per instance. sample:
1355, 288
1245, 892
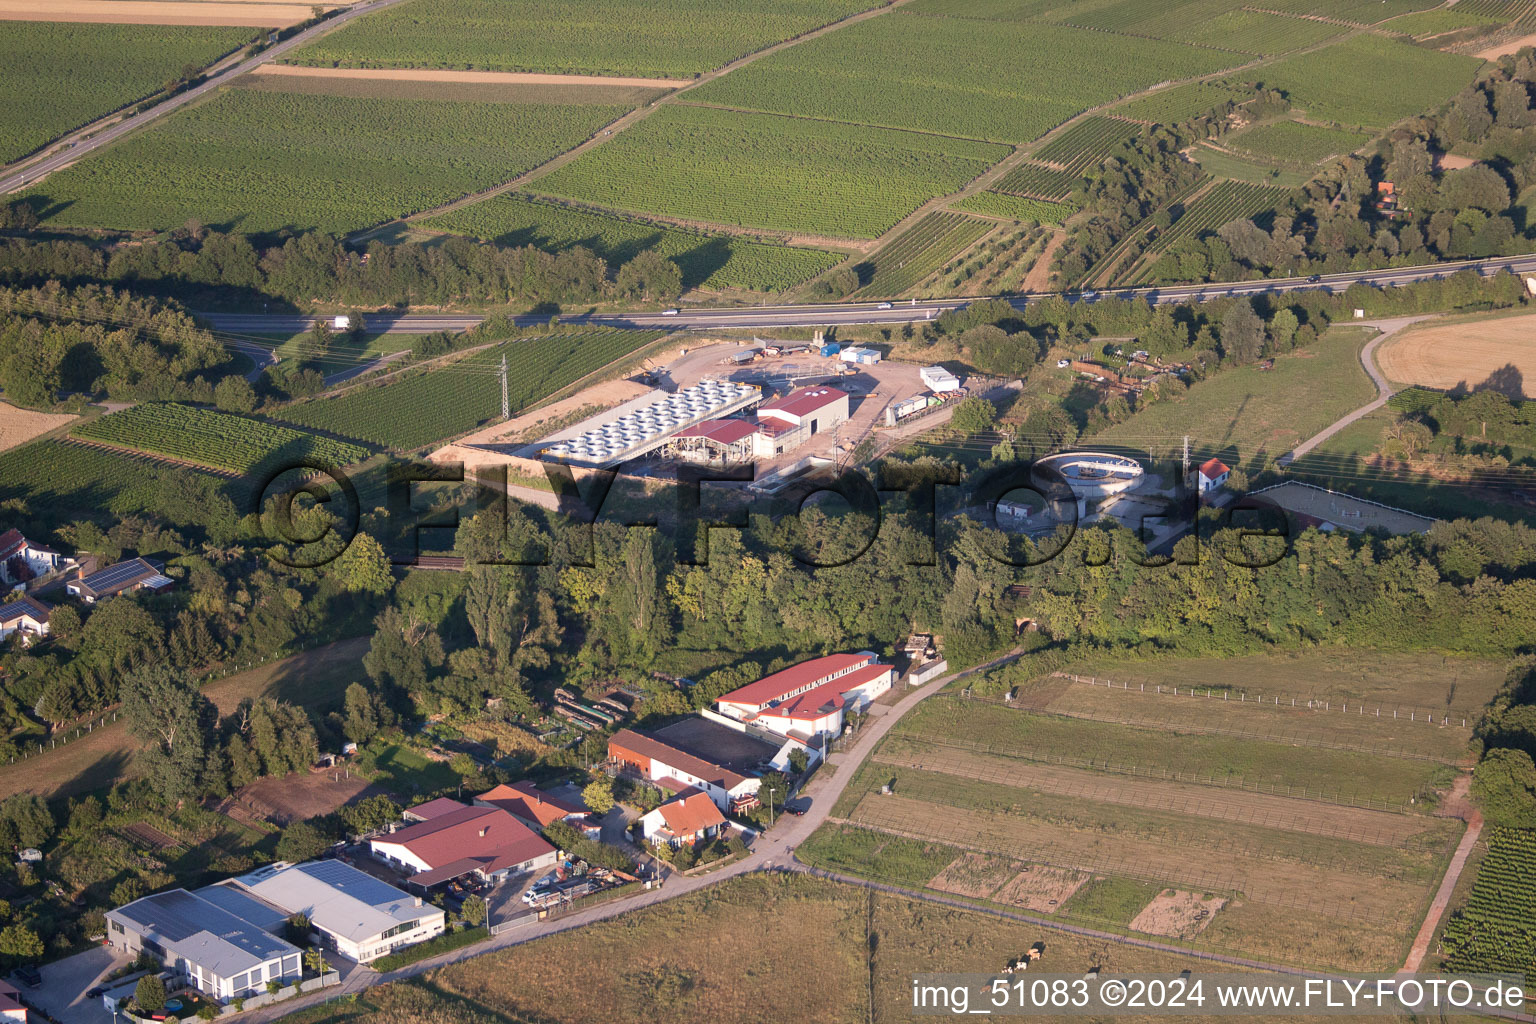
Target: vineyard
1433, 23
764, 171
1178, 104
263, 161
1084, 146
1496, 931
1001, 204
66, 482
1225, 202
920, 251
217, 440
1294, 142
940, 75
1037, 181
420, 408
47, 96
659, 38
1343, 82
707, 261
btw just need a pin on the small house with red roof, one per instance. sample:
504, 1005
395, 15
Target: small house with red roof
450, 843
688, 820
1211, 476
532, 806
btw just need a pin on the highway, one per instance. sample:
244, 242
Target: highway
853, 313
30, 173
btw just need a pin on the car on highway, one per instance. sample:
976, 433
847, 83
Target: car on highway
670, 312
884, 305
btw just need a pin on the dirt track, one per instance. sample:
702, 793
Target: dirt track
157, 12
1476, 355
461, 77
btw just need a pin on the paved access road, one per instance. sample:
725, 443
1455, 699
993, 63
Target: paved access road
64, 157
850, 313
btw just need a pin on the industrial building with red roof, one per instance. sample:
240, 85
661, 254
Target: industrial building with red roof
450, 843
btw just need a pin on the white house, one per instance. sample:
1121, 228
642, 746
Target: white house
354, 913
1211, 475
21, 560
213, 950
25, 615
690, 819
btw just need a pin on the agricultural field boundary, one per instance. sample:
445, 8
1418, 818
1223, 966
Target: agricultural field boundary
629, 120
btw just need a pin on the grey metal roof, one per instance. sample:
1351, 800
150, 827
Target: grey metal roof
207, 935
244, 905
340, 899
123, 574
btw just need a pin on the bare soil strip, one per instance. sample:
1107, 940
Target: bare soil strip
18, 426
1374, 828
1177, 913
1498, 355
158, 12
459, 77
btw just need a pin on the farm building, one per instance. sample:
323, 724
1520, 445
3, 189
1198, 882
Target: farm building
678, 770
484, 841
689, 819
122, 578
216, 952
354, 913
784, 424
21, 560
808, 701
647, 424
1211, 475
531, 805
25, 615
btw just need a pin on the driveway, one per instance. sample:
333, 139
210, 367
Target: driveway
62, 993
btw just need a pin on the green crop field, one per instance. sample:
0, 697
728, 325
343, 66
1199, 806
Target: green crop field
1039, 182
707, 261
216, 439
419, 408
766, 171
921, 250
1177, 104
1495, 932
47, 94
1002, 81
1084, 145
1432, 23
261, 161
1249, 414
653, 38
1294, 142
1002, 204
1343, 82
